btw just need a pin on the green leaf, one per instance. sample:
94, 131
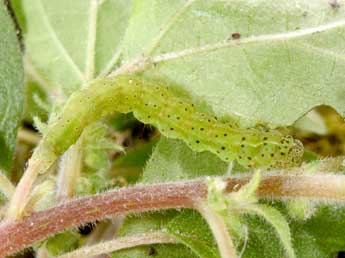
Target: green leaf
190, 228
322, 235
229, 205
11, 88
261, 236
151, 222
95, 145
62, 242
173, 160
289, 58
62, 54
244, 201
35, 102
131, 165
156, 221
277, 220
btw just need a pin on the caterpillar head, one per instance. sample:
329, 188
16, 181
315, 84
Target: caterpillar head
294, 155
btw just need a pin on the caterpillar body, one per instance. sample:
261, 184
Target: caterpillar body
175, 117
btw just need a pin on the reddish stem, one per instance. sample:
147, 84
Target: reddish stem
16, 235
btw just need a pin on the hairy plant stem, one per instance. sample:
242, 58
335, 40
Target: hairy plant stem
219, 229
16, 235
121, 243
38, 163
42, 159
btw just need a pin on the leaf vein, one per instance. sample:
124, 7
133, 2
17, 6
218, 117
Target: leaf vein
91, 42
323, 51
167, 27
250, 40
58, 43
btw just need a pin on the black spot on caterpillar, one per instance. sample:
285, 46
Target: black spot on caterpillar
153, 103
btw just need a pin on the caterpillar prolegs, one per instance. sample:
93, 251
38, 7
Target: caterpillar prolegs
175, 117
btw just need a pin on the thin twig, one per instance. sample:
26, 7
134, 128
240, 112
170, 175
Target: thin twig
16, 235
121, 243
21, 194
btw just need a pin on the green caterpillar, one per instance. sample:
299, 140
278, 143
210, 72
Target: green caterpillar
175, 117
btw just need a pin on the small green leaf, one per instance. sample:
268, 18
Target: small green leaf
155, 221
277, 220
135, 157
96, 143
176, 161
63, 242
216, 196
11, 88
121, 122
261, 236
36, 103
42, 196
230, 205
301, 210
190, 228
